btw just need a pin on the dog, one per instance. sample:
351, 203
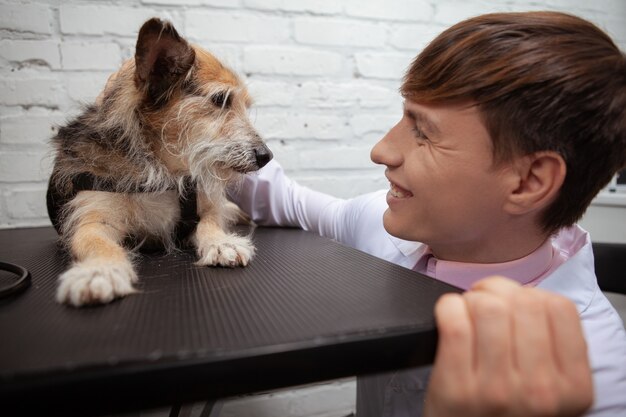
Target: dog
150, 161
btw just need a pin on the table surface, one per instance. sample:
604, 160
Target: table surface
306, 309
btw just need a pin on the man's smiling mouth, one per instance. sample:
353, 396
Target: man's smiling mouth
399, 192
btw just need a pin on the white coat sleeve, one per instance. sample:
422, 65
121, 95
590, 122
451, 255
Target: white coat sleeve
270, 198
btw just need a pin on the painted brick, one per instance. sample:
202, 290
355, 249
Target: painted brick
610, 8
291, 61
306, 6
339, 393
5, 221
24, 17
24, 166
127, 47
375, 97
616, 28
27, 203
326, 95
229, 55
31, 52
313, 400
296, 125
341, 158
286, 153
272, 93
85, 87
386, 65
363, 124
216, 3
344, 186
10, 111
451, 12
413, 37
34, 127
345, 95
236, 27
90, 55
574, 4
414, 10
332, 31
103, 19
35, 90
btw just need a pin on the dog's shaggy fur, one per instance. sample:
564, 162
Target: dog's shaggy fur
170, 126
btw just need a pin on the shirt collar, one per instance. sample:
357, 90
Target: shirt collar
409, 248
576, 278
525, 270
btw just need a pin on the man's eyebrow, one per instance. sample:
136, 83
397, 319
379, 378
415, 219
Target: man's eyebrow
422, 119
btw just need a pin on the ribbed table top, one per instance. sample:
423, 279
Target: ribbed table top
304, 298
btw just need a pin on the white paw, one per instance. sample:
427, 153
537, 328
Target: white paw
228, 250
95, 282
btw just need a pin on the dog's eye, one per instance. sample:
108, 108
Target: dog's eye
221, 99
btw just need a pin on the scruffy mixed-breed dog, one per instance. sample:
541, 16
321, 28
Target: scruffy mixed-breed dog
150, 162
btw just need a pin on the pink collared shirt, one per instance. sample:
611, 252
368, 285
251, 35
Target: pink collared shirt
529, 270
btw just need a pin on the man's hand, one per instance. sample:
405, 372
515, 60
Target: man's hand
508, 350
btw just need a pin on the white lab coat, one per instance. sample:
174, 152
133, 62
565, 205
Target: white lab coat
271, 198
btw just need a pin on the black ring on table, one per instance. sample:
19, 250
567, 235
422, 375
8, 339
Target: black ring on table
18, 286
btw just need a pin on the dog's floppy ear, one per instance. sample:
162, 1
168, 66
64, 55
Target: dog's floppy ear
162, 58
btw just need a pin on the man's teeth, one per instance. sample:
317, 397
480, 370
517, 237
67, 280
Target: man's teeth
399, 192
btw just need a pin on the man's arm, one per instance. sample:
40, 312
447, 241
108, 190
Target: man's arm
271, 198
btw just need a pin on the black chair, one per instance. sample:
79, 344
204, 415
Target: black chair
610, 264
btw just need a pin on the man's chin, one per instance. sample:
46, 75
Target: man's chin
394, 228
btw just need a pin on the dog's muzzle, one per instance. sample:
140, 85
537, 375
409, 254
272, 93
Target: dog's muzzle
263, 155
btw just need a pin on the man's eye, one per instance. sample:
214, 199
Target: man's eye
221, 99
419, 133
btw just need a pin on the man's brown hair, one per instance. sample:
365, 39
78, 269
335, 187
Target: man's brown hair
543, 81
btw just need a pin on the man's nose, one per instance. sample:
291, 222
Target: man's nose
385, 152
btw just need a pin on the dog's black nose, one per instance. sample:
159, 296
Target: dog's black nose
263, 155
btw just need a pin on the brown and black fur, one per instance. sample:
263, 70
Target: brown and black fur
150, 160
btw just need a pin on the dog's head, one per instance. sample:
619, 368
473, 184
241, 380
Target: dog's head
194, 109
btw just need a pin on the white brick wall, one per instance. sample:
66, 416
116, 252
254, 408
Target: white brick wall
27, 17
325, 75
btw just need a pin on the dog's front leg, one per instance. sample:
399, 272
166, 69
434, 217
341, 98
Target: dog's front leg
214, 244
102, 270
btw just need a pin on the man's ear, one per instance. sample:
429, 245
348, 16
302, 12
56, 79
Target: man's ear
162, 58
538, 178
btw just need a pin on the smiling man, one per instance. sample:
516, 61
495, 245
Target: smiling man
512, 123
441, 171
